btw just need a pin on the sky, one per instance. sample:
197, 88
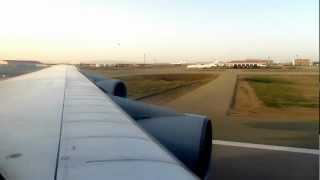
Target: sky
163, 30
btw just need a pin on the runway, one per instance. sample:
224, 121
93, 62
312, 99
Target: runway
232, 162
266, 147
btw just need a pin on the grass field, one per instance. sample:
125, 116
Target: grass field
307, 126
140, 86
277, 92
292, 133
288, 96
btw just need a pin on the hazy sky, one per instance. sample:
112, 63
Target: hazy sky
166, 30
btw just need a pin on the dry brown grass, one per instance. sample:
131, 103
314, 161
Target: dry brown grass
140, 86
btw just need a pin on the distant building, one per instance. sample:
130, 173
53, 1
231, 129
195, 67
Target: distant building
182, 62
202, 66
249, 63
301, 62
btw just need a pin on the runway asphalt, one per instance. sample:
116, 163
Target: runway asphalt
239, 163
214, 97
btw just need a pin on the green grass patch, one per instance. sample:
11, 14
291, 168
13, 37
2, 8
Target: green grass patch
146, 85
278, 92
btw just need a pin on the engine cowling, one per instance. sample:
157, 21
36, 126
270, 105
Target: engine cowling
93, 77
187, 136
113, 87
139, 110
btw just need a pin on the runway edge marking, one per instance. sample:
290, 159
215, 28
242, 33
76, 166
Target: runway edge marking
266, 147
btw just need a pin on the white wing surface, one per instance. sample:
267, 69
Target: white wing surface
56, 124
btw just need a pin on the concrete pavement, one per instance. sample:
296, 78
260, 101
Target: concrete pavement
237, 163
214, 97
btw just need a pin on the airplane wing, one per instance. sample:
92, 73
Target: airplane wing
55, 124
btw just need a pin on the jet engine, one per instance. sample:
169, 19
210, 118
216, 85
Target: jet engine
113, 87
187, 136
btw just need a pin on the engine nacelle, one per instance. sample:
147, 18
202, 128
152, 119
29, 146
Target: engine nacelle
113, 87
187, 136
139, 110
93, 77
